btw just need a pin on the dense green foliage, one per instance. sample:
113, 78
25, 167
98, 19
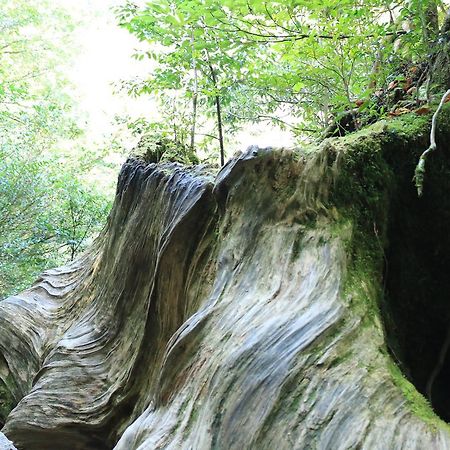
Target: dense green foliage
300, 64
48, 212
47, 216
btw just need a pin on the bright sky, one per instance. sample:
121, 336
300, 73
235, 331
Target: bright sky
105, 58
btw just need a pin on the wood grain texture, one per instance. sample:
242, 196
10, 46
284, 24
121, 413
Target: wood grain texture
211, 313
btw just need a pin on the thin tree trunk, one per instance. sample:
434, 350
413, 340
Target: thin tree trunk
219, 127
219, 116
194, 115
194, 97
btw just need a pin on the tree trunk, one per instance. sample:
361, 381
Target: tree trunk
287, 302
194, 120
218, 116
220, 131
244, 313
194, 97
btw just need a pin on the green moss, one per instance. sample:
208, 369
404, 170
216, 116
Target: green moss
375, 165
370, 131
7, 402
364, 179
366, 173
369, 164
154, 148
364, 291
362, 287
410, 125
417, 403
444, 117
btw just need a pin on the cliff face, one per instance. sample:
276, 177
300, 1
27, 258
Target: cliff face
230, 312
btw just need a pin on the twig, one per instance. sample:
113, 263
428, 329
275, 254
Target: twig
293, 35
419, 173
208, 135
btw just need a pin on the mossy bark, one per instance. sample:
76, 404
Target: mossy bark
258, 308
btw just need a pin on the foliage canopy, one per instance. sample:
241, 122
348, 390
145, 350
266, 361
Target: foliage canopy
47, 210
299, 64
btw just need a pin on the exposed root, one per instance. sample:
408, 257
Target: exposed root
420, 168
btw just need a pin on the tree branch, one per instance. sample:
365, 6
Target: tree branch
294, 36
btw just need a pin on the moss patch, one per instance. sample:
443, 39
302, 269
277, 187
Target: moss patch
7, 402
417, 403
399, 242
402, 237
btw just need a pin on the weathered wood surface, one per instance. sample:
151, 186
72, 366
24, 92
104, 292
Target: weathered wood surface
212, 313
5, 443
